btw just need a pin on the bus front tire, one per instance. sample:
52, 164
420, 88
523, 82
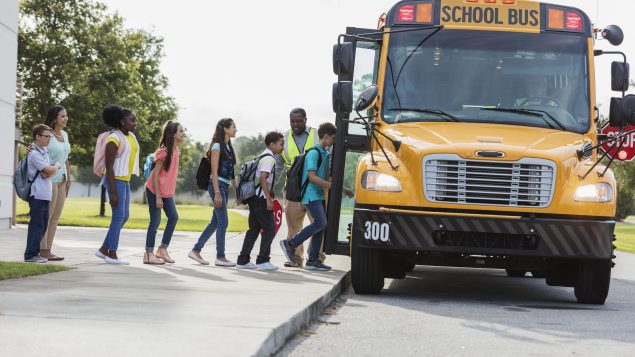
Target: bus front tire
594, 278
367, 273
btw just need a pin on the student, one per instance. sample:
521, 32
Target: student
160, 188
222, 160
41, 168
261, 208
119, 170
314, 200
59, 148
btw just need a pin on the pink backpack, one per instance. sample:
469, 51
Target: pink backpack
99, 161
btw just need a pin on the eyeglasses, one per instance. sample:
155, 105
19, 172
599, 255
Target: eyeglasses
46, 136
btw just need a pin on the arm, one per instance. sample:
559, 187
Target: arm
326, 184
155, 183
265, 189
51, 170
214, 161
111, 153
68, 177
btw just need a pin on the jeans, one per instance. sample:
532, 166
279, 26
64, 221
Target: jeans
155, 220
120, 214
218, 223
259, 218
39, 216
316, 230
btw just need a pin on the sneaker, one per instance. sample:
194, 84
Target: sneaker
288, 251
36, 259
292, 265
192, 254
100, 255
249, 265
266, 266
316, 266
223, 262
116, 261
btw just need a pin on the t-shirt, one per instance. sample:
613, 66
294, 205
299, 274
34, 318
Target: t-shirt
315, 192
266, 164
58, 151
38, 159
134, 148
167, 179
216, 147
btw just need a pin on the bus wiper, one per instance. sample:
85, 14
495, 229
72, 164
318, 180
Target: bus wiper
530, 112
437, 112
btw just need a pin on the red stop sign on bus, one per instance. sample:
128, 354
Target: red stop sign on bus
627, 151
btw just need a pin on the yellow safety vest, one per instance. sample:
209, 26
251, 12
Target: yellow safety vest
291, 149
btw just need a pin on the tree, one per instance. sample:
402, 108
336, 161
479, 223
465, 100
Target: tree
75, 53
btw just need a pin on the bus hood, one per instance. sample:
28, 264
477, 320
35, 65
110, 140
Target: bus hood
465, 139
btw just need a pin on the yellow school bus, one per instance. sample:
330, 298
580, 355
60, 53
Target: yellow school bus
468, 130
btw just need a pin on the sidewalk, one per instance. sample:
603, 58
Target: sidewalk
179, 309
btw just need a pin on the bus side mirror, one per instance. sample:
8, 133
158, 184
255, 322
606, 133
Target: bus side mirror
366, 98
628, 108
343, 59
620, 76
613, 34
343, 97
616, 113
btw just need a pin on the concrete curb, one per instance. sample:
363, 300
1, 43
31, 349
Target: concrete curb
279, 335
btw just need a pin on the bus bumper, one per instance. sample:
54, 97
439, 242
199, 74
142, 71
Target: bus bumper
483, 235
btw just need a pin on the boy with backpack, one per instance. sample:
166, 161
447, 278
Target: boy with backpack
261, 207
40, 171
315, 175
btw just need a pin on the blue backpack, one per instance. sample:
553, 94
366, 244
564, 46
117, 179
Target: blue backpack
148, 166
21, 180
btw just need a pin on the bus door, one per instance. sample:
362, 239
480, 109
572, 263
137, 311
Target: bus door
351, 141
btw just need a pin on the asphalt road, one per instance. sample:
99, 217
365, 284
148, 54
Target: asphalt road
476, 312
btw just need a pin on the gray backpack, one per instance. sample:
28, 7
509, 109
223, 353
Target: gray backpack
21, 180
247, 184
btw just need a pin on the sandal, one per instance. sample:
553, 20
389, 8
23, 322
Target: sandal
162, 253
150, 258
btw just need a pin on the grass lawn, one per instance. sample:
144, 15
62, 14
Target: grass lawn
21, 270
84, 212
625, 238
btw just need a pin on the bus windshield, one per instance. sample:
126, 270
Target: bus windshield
525, 79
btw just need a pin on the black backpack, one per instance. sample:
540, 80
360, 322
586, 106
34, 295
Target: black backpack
295, 188
247, 184
203, 172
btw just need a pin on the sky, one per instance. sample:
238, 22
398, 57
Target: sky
254, 61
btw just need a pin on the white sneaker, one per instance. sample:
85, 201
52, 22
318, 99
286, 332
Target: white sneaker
117, 261
224, 263
249, 265
36, 259
100, 255
266, 266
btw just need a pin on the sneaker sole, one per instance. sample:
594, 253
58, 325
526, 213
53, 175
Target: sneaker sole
314, 268
245, 268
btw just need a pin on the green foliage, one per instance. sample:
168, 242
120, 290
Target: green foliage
625, 176
191, 154
77, 54
10, 270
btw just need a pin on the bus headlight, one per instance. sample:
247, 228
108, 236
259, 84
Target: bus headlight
376, 181
597, 192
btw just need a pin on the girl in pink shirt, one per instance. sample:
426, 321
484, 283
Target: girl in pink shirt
160, 189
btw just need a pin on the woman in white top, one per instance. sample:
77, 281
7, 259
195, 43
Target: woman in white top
59, 147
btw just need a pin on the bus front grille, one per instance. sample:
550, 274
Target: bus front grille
449, 178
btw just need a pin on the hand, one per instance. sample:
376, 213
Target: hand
114, 200
269, 204
159, 202
68, 186
29, 148
348, 192
218, 200
238, 203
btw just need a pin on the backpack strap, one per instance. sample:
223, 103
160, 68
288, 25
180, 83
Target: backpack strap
256, 168
305, 184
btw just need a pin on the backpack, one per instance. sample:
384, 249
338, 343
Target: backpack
203, 172
148, 166
21, 180
246, 185
99, 161
295, 188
